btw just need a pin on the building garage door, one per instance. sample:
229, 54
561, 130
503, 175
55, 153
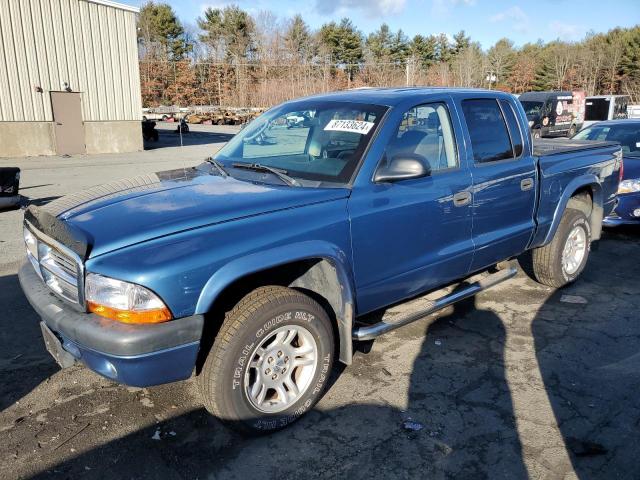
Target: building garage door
67, 118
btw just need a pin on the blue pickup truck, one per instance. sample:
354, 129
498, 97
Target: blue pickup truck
254, 270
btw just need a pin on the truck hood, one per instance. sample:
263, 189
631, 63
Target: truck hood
127, 212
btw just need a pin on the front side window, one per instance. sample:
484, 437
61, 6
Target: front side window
425, 132
490, 140
311, 140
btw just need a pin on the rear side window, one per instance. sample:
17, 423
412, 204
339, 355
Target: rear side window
514, 127
488, 131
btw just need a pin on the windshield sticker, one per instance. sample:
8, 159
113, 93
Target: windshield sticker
353, 126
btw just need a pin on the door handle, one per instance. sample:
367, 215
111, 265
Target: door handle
526, 184
461, 199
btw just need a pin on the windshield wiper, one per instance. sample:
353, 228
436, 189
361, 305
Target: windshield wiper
278, 172
218, 166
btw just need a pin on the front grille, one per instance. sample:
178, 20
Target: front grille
59, 268
65, 263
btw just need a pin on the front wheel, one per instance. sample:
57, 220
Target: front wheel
270, 362
562, 260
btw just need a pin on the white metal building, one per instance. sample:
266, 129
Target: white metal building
69, 77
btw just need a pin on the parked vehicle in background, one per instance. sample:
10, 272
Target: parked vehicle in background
149, 131
299, 119
633, 111
9, 186
255, 269
164, 113
553, 114
605, 107
627, 133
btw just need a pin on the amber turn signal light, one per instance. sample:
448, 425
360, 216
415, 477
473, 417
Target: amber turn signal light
127, 316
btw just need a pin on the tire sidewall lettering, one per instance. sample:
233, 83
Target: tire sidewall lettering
292, 317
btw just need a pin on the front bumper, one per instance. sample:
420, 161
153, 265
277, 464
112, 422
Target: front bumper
138, 355
623, 214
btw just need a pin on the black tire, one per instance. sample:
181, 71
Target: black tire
547, 261
253, 320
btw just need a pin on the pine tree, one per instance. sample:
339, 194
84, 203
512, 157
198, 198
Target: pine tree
378, 43
423, 49
298, 39
160, 33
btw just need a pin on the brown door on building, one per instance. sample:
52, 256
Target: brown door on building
67, 118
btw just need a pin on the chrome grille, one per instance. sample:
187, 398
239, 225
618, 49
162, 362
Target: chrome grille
65, 263
60, 268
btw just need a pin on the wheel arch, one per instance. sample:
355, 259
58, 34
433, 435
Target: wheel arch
578, 188
315, 268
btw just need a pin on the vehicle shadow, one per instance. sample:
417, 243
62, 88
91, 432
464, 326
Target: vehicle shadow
170, 138
589, 359
458, 423
24, 361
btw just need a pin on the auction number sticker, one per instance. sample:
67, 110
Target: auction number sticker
353, 126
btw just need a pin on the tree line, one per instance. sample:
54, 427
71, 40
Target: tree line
229, 57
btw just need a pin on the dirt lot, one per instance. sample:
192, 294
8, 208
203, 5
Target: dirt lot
523, 381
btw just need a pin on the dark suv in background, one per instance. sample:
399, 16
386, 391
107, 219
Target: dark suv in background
553, 114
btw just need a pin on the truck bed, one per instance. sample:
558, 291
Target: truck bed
547, 146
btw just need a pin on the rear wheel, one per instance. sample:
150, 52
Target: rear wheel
564, 258
536, 133
270, 361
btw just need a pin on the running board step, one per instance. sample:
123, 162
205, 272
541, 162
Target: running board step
427, 307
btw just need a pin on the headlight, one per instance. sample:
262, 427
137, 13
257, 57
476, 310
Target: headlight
629, 186
31, 243
530, 123
123, 301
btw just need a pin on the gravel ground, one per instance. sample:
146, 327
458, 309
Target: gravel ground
522, 382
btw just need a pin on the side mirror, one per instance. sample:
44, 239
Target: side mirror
403, 167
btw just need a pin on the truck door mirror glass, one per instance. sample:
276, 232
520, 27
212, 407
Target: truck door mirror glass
403, 167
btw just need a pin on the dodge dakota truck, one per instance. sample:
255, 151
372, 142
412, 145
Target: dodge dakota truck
254, 270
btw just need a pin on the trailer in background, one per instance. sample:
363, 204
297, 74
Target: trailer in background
633, 111
600, 108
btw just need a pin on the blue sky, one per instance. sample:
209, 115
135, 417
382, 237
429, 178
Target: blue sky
485, 21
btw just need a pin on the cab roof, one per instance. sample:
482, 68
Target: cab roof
392, 96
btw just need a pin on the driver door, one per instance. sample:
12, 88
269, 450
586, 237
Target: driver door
413, 235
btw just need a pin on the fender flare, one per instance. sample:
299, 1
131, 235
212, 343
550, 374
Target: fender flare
587, 180
332, 264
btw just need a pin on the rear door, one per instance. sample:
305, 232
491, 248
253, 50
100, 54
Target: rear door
504, 180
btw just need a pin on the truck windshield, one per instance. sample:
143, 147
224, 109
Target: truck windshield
596, 109
532, 108
627, 134
309, 140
